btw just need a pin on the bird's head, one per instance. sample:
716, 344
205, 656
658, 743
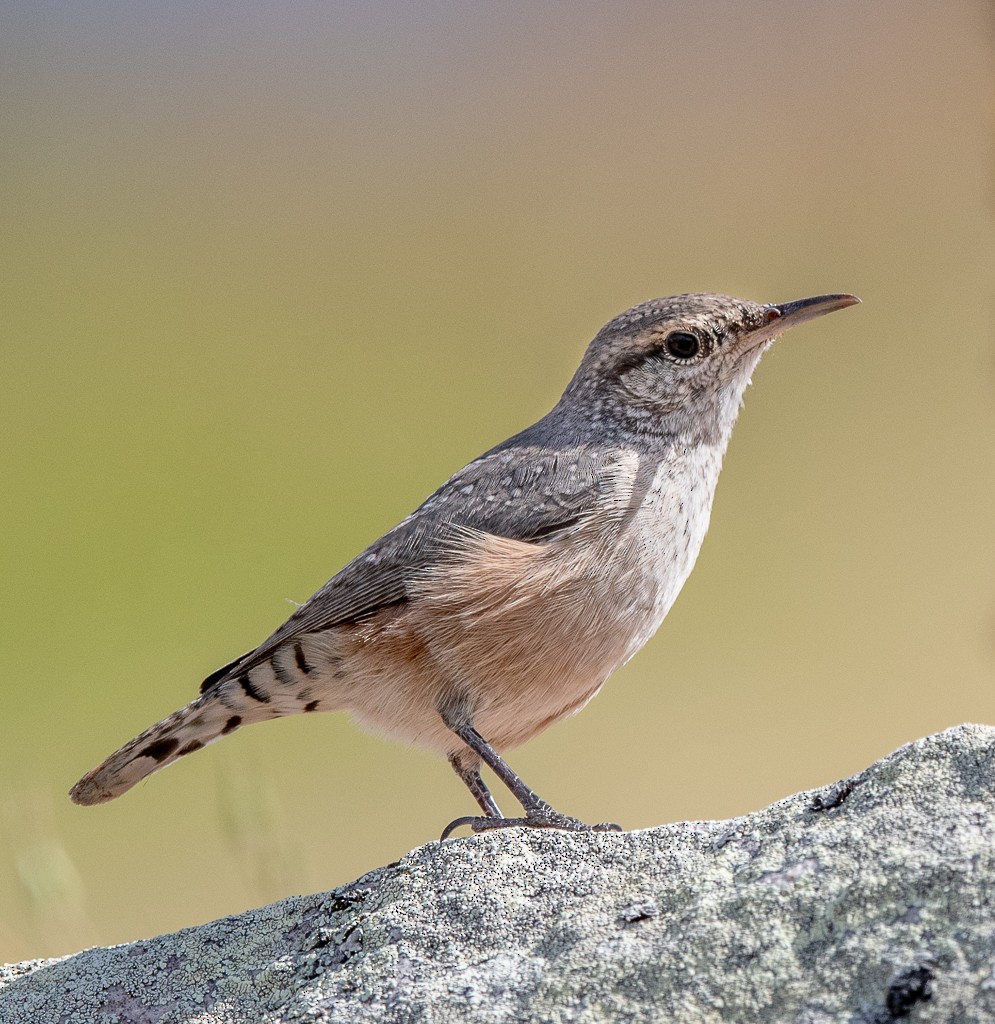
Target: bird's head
679, 365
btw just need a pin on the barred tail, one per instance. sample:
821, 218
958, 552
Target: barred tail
295, 678
201, 722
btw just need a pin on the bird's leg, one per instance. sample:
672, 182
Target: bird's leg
470, 776
538, 813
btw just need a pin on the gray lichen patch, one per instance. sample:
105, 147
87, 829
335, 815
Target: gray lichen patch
869, 901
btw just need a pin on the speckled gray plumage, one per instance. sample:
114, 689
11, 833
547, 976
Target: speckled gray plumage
532, 485
537, 482
512, 593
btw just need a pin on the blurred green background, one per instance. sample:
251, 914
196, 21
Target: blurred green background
270, 272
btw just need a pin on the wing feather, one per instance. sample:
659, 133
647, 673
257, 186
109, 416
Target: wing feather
522, 492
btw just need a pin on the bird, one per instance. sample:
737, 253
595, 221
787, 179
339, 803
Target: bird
505, 601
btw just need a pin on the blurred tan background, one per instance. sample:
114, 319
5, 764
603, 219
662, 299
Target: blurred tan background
271, 272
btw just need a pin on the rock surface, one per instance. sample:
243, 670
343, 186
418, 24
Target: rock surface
868, 902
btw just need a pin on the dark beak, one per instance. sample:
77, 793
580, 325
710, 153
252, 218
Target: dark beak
788, 314
797, 312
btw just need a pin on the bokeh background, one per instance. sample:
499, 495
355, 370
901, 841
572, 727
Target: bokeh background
270, 272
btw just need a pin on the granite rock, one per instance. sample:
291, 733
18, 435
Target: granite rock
870, 901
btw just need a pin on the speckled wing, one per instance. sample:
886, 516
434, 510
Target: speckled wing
523, 492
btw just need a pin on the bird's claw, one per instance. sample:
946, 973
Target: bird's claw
538, 819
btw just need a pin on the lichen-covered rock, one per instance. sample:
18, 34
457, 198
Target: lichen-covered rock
869, 902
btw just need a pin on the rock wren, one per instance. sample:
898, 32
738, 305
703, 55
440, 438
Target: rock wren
505, 600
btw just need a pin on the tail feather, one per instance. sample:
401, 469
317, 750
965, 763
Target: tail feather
192, 727
294, 679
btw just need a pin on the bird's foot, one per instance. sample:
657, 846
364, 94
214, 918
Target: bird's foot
544, 817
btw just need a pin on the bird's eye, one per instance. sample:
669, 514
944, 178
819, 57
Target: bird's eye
683, 345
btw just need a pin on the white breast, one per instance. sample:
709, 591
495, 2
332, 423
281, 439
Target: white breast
665, 535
